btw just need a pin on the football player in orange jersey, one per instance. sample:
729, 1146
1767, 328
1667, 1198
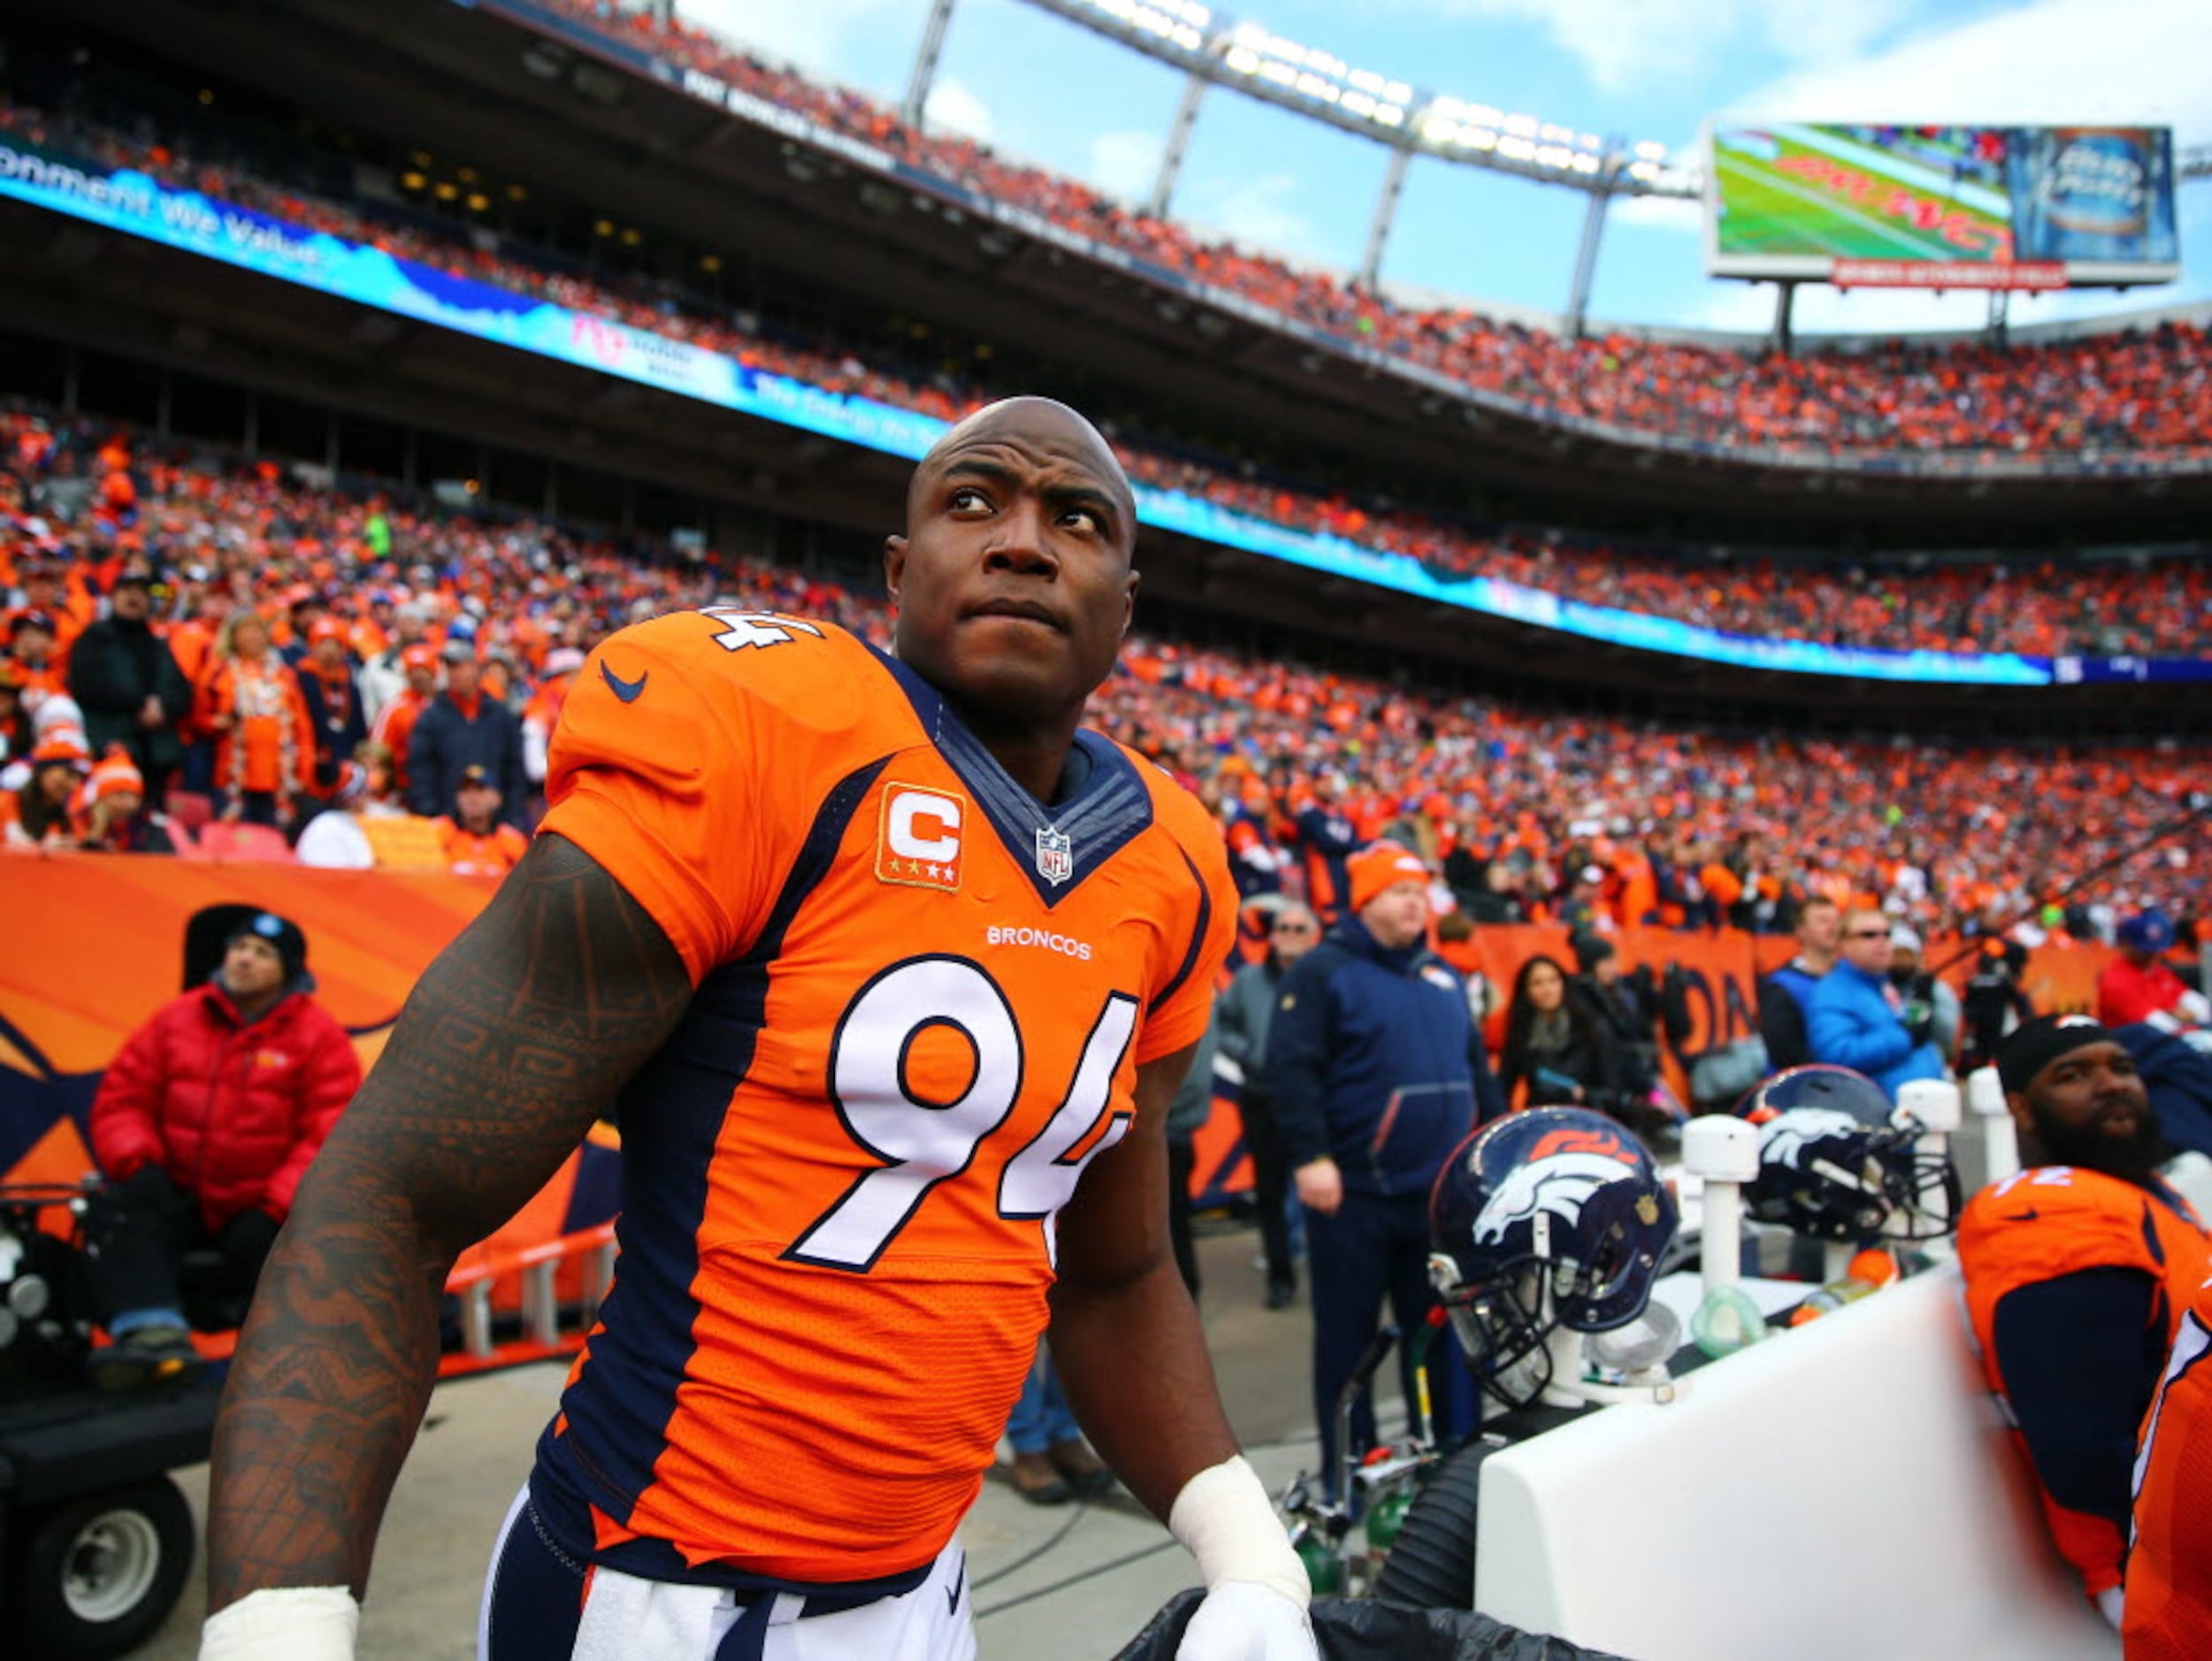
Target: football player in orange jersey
2169, 1614
881, 958
2078, 1270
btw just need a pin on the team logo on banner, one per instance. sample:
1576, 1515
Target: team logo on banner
919, 843
1055, 855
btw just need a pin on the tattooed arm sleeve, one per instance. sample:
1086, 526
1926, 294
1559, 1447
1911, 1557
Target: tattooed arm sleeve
517, 1037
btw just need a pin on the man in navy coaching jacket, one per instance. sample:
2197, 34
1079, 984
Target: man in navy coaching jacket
1377, 1071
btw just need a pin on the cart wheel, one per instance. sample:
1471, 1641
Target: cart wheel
96, 1575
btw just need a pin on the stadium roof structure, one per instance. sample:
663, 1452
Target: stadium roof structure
1215, 49
1212, 48
1311, 81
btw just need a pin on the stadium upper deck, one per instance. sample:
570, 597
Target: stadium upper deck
2148, 607
1955, 443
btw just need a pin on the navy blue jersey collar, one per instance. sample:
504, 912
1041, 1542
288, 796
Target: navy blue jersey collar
1056, 847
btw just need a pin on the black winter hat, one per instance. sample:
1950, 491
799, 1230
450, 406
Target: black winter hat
282, 933
2036, 1043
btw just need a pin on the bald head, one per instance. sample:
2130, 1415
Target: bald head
1013, 582
1044, 425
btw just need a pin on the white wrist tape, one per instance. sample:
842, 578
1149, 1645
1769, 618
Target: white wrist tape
284, 1623
1225, 1519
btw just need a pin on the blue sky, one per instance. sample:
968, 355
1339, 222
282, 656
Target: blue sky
1046, 90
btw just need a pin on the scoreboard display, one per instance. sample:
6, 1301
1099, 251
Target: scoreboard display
1941, 207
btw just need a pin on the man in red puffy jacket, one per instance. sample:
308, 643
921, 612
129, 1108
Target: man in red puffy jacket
204, 1125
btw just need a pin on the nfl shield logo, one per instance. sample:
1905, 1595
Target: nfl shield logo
1055, 855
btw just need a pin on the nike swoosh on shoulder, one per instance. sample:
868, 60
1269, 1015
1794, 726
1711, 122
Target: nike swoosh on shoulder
2029, 1215
625, 690
952, 1592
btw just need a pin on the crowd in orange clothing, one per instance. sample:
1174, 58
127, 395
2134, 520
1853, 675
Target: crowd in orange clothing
1528, 814
2039, 606
274, 599
2145, 397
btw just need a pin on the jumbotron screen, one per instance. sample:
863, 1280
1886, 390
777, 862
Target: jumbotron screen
1941, 207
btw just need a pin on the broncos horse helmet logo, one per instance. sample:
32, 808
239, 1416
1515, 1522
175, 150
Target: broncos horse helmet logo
1784, 1138
1559, 1183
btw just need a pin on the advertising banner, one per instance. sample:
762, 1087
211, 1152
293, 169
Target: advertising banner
112, 930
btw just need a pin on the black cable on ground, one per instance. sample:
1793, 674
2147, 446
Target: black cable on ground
1121, 1562
1068, 1528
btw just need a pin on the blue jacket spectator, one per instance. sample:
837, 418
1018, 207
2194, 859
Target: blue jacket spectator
1855, 1019
464, 729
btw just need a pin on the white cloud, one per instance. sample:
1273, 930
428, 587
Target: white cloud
1257, 214
815, 34
954, 106
2046, 62
1659, 213
1622, 43
1124, 165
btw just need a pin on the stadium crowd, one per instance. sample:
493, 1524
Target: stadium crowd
377, 610
2145, 396
2160, 607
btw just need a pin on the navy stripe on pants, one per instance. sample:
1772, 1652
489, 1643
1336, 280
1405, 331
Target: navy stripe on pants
535, 1601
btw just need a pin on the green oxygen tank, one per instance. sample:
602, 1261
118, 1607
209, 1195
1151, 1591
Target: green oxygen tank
1324, 1569
1385, 1518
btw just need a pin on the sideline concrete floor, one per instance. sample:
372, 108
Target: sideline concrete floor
1082, 1596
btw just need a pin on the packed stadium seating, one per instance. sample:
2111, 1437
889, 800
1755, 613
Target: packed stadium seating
2153, 606
1948, 836
2149, 396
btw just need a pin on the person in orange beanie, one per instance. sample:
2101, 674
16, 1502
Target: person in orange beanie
113, 815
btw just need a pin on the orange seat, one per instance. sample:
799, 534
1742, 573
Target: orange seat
244, 844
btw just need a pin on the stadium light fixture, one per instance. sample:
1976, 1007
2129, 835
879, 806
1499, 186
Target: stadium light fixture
1312, 80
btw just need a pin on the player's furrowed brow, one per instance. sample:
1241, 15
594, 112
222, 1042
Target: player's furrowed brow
1100, 504
971, 468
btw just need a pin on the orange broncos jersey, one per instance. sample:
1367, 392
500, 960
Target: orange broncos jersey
2169, 1611
921, 1000
2054, 1220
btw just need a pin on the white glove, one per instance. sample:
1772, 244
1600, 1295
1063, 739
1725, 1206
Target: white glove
283, 1623
1256, 1587
1243, 1621
2194, 1007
